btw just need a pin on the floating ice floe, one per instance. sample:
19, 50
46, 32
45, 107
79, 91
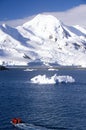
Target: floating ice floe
52, 69
28, 69
43, 79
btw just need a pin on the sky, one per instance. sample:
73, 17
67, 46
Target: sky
14, 12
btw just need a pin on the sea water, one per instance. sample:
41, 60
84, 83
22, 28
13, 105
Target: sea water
57, 106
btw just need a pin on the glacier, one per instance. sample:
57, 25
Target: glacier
43, 41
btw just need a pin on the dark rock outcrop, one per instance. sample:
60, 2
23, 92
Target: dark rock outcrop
3, 68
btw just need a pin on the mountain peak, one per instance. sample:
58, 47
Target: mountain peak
44, 25
4, 25
46, 19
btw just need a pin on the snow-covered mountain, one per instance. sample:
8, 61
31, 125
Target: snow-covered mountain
43, 40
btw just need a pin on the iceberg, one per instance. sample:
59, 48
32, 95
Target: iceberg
43, 79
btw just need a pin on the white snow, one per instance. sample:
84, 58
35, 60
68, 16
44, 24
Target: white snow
44, 39
43, 79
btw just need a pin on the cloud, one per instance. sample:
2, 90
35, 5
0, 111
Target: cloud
17, 22
74, 16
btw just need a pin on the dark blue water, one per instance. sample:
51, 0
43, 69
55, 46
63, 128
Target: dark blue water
54, 107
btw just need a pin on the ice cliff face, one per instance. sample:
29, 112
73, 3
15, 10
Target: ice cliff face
43, 40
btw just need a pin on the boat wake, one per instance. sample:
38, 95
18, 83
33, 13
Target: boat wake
26, 126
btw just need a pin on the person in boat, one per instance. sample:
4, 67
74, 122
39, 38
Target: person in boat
16, 120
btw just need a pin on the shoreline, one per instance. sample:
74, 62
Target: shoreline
47, 67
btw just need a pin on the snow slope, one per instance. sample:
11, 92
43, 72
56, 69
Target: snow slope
45, 41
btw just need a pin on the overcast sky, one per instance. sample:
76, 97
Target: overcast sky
16, 12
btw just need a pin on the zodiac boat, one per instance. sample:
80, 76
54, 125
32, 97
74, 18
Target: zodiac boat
17, 122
